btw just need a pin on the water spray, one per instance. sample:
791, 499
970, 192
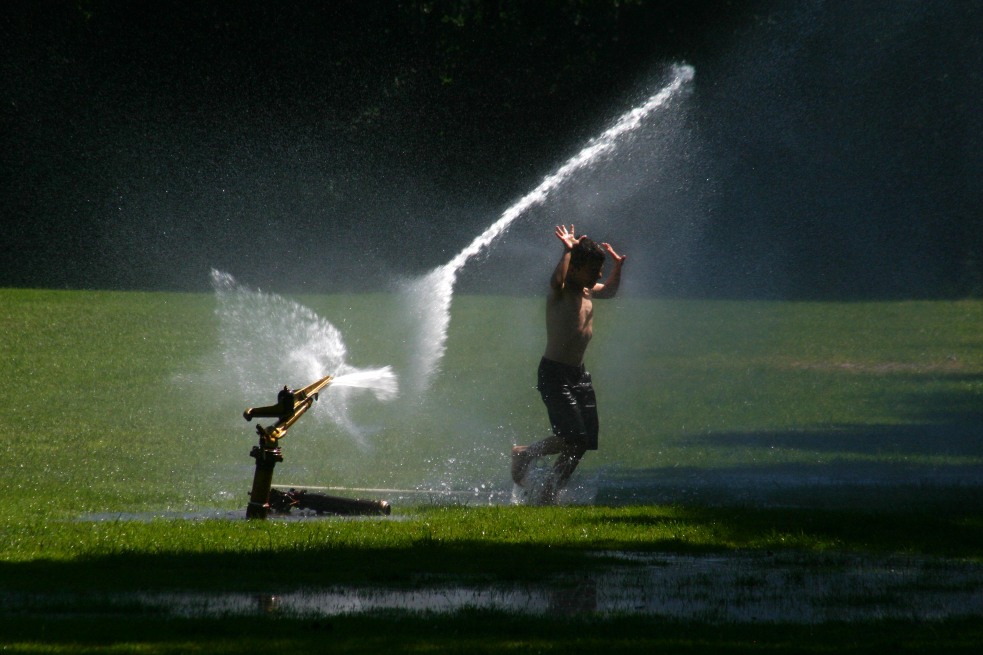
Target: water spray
438, 284
290, 406
290, 338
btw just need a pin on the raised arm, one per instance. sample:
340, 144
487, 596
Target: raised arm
559, 277
609, 288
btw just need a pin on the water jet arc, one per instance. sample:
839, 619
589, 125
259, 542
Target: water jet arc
438, 285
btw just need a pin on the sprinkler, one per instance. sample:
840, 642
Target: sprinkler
290, 406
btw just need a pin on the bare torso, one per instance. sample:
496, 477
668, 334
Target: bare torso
569, 325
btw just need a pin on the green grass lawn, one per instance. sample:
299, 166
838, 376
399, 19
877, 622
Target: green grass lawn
861, 419
123, 402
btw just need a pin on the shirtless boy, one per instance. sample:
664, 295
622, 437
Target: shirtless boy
563, 381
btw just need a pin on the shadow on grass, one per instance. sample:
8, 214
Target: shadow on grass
280, 569
934, 424
936, 459
479, 632
945, 529
852, 486
950, 531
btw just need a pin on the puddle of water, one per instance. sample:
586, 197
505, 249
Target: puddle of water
731, 588
140, 517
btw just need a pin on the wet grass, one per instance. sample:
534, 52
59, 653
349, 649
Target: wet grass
116, 406
483, 545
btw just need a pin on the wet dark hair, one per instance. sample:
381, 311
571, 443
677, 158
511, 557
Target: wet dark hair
587, 253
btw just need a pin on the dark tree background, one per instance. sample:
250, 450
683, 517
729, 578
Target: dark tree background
825, 149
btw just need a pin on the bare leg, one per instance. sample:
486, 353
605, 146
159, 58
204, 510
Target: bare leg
521, 459
549, 446
563, 468
523, 456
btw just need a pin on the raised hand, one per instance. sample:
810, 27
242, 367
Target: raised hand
567, 236
615, 256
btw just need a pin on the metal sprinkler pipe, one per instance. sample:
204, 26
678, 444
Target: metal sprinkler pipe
289, 407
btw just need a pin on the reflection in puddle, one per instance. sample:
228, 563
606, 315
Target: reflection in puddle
732, 588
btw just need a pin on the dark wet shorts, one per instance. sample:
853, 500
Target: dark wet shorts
570, 402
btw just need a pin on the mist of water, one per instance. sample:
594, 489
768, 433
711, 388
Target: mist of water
429, 297
268, 340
